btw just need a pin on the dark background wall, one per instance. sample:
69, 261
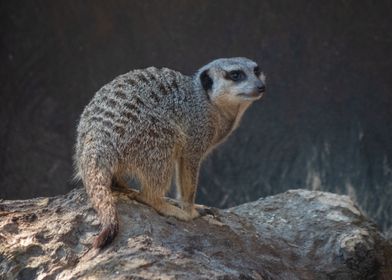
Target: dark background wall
325, 124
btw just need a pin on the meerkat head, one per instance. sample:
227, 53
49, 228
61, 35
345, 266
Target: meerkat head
232, 80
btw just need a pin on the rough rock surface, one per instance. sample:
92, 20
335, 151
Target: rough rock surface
299, 234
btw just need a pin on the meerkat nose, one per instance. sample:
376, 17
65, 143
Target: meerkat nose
261, 88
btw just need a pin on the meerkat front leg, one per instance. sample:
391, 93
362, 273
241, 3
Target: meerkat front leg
187, 172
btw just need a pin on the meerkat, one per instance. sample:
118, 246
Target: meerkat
152, 123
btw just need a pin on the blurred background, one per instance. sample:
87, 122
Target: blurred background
324, 124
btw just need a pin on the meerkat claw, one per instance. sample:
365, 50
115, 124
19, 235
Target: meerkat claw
205, 210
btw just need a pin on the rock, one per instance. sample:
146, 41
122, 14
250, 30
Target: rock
299, 234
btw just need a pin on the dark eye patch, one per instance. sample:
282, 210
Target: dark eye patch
235, 75
257, 71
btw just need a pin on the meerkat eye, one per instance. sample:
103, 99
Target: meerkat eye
236, 75
257, 71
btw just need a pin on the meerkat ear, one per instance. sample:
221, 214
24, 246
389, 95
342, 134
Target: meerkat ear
206, 80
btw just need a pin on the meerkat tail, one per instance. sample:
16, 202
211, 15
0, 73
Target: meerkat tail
107, 234
98, 186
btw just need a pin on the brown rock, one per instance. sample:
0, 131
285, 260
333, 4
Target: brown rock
295, 235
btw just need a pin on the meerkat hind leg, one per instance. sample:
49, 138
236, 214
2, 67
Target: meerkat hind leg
121, 185
162, 206
153, 192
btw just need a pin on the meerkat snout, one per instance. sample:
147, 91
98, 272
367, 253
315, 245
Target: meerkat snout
255, 93
248, 80
261, 88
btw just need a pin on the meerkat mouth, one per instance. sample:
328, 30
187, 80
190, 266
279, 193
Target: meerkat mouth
252, 95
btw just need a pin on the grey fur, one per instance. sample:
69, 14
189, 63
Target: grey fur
148, 123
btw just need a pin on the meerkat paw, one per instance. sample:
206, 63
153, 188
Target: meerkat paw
124, 189
194, 213
164, 208
191, 210
205, 210
167, 209
131, 193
